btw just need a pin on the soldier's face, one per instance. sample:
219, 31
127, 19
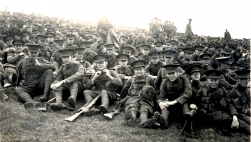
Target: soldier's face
145, 51
33, 54
109, 51
168, 60
172, 76
126, 52
70, 40
66, 59
244, 81
123, 63
224, 67
50, 39
140, 71
41, 42
188, 55
213, 82
206, 61
195, 76
159, 48
155, 60
101, 65
80, 55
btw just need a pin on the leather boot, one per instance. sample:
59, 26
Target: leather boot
104, 102
3, 95
47, 83
72, 98
58, 105
29, 102
148, 123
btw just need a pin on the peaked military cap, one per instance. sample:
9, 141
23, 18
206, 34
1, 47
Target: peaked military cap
154, 54
66, 51
188, 50
198, 47
51, 30
42, 37
204, 56
224, 60
123, 57
195, 67
86, 43
126, 47
74, 30
18, 42
70, 36
59, 42
34, 47
150, 40
109, 46
138, 63
50, 34
79, 50
159, 44
213, 73
101, 45
173, 42
171, 67
100, 57
146, 46
243, 73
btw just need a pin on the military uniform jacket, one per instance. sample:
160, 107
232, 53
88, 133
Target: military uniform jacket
52, 47
241, 99
103, 82
13, 59
214, 99
179, 90
153, 69
135, 84
71, 72
29, 74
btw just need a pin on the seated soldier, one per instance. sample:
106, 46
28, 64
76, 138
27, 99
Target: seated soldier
88, 53
145, 49
35, 75
69, 79
105, 82
240, 96
14, 56
129, 50
154, 65
123, 70
130, 94
2, 94
89, 71
110, 48
175, 90
214, 103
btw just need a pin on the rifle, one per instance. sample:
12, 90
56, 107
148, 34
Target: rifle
44, 109
83, 109
113, 113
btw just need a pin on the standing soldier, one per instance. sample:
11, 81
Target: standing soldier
105, 83
175, 90
240, 96
35, 74
227, 36
69, 79
189, 34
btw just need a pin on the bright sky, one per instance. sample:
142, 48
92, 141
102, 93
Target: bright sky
210, 17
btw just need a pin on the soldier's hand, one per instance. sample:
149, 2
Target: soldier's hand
163, 105
21, 54
37, 63
235, 123
106, 72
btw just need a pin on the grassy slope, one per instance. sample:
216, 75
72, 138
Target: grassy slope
20, 124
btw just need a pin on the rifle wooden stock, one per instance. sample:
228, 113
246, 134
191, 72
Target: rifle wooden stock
85, 109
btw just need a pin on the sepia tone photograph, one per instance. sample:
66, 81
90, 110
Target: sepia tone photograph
125, 71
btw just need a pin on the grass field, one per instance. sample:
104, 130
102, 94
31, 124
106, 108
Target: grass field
30, 125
